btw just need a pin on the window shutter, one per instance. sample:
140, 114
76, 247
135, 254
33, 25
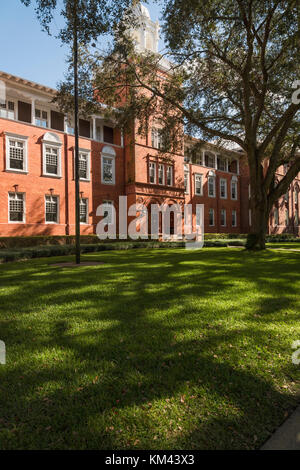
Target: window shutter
24, 111
108, 134
57, 121
84, 128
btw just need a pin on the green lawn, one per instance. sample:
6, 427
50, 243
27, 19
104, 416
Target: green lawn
155, 349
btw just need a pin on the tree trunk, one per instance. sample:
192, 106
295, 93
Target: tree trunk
260, 213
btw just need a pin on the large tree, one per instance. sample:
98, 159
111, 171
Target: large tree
233, 65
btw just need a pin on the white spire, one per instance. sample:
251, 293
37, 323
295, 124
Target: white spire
146, 34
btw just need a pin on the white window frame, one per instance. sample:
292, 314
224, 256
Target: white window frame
232, 184
161, 166
223, 181
152, 166
213, 176
186, 174
211, 211
4, 112
88, 167
196, 176
58, 148
58, 208
42, 109
110, 154
24, 208
87, 211
156, 138
18, 138
234, 218
223, 211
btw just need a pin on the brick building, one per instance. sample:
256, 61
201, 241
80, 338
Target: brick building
37, 189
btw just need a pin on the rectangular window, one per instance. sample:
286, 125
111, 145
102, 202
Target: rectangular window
234, 218
223, 188
234, 190
156, 138
7, 109
108, 170
24, 112
223, 217
211, 215
84, 165
296, 218
152, 172
108, 211
51, 209
51, 155
198, 184
83, 211
169, 175
160, 174
16, 207
186, 181
222, 164
209, 159
41, 118
211, 186
16, 153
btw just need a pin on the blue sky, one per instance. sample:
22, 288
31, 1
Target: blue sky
27, 51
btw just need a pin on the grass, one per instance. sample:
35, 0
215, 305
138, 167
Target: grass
161, 349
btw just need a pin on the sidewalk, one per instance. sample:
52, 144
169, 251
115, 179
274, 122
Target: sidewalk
287, 437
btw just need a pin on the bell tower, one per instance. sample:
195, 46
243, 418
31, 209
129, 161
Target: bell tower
146, 34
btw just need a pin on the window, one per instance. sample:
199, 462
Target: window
169, 175
211, 186
234, 189
276, 216
16, 212
41, 117
16, 153
83, 205
249, 191
108, 134
296, 217
160, 174
198, 184
152, 172
108, 166
234, 218
211, 217
221, 163
186, 179
187, 159
51, 215
51, 156
156, 138
209, 159
108, 211
7, 109
250, 217
84, 165
223, 217
223, 188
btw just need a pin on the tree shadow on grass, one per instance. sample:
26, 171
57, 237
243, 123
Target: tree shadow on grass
117, 337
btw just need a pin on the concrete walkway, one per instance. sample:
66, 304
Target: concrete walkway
287, 437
